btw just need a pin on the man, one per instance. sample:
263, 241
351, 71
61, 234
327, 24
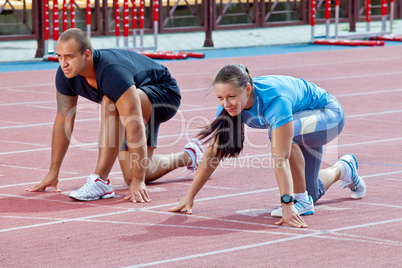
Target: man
136, 94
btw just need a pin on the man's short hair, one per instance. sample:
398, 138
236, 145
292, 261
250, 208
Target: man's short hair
80, 36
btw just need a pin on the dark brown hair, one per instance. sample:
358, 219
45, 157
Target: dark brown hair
226, 131
80, 36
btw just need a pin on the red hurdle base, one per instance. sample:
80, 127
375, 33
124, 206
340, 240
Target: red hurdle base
387, 38
51, 58
164, 55
170, 55
153, 55
191, 54
349, 42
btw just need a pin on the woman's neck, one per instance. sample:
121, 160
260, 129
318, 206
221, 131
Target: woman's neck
250, 100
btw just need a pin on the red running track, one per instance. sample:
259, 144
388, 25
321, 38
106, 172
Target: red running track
231, 224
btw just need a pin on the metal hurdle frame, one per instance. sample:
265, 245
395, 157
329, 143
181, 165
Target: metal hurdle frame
334, 39
49, 55
135, 29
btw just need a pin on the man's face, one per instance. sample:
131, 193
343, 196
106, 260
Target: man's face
71, 61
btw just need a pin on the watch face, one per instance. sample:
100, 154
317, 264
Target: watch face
286, 198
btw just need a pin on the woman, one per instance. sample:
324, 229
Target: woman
300, 117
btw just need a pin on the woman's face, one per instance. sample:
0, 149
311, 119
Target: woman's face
232, 98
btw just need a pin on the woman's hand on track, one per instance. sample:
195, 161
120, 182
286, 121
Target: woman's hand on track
291, 217
184, 203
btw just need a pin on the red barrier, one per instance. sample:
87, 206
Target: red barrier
349, 42
64, 16
46, 20
141, 14
327, 9
72, 14
55, 21
88, 18
126, 25
156, 11
384, 7
51, 58
312, 13
165, 55
117, 21
189, 54
387, 38
368, 10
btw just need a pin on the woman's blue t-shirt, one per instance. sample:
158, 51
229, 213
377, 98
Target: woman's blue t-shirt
277, 98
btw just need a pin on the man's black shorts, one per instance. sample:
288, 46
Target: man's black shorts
165, 99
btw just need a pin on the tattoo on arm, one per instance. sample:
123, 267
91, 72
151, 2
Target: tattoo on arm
66, 105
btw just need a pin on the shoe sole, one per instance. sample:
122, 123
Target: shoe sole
303, 214
106, 196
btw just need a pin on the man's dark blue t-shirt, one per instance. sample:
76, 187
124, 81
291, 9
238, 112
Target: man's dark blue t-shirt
117, 70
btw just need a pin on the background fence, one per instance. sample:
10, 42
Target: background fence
23, 19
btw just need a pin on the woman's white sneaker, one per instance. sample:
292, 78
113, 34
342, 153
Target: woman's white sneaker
352, 180
303, 207
94, 189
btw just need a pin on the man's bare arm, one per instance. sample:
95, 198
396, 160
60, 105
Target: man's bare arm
62, 130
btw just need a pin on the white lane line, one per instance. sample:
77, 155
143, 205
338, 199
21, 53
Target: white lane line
371, 114
27, 86
184, 110
369, 92
45, 124
39, 169
223, 163
392, 179
26, 103
11, 122
271, 242
383, 174
23, 143
364, 143
355, 76
84, 145
153, 225
127, 211
381, 205
65, 179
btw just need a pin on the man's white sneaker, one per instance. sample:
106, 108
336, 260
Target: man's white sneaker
352, 180
195, 149
303, 207
94, 189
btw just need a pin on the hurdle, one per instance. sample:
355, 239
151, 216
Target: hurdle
135, 29
347, 39
49, 54
150, 51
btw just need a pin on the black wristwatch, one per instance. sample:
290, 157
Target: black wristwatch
286, 199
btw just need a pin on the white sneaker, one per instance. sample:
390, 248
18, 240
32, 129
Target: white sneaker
196, 151
94, 189
352, 180
303, 207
